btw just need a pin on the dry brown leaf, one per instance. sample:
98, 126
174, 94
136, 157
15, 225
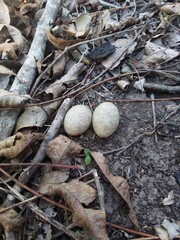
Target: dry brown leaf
169, 199
60, 43
168, 229
61, 149
173, 39
59, 66
28, 7
108, 21
4, 13
36, 116
119, 183
155, 54
55, 177
161, 232
14, 145
15, 34
70, 78
11, 220
173, 8
10, 100
84, 193
93, 221
8, 50
122, 48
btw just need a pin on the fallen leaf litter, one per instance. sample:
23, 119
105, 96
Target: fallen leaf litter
57, 56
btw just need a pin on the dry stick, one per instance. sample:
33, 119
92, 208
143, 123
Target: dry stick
43, 164
161, 88
19, 204
98, 186
167, 74
146, 238
154, 116
129, 230
41, 214
177, 29
27, 72
106, 4
99, 190
143, 100
33, 90
120, 76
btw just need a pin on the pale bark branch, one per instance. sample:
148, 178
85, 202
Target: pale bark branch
26, 75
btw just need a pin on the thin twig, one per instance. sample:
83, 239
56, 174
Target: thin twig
42, 164
129, 230
88, 86
143, 100
154, 116
99, 190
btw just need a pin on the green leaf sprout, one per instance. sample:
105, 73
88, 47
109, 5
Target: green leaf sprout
87, 156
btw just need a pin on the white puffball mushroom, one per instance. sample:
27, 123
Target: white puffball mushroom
77, 120
105, 119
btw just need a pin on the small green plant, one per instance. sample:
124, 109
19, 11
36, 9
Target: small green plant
87, 156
